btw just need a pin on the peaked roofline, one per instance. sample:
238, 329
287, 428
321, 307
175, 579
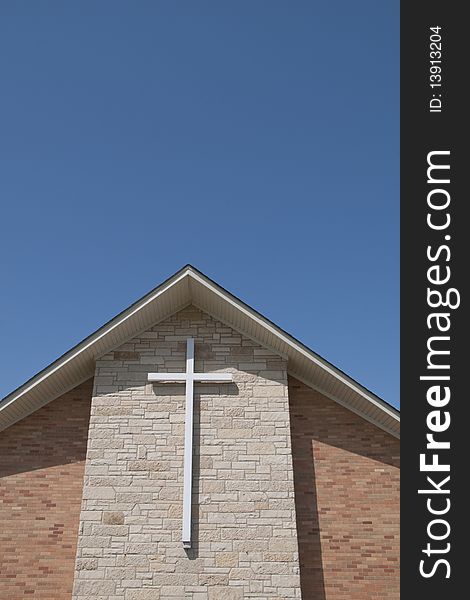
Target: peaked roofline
191, 286
89, 337
292, 338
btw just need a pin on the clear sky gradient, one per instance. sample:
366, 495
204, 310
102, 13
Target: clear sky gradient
257, 140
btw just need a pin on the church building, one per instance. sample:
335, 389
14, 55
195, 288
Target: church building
192, 449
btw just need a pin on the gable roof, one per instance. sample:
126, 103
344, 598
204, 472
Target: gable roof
191, 287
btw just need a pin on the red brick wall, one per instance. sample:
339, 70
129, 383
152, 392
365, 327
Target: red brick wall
346, 475
41, 479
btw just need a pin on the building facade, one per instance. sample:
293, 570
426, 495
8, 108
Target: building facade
293, 466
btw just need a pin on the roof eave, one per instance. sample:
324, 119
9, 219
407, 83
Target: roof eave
187, 286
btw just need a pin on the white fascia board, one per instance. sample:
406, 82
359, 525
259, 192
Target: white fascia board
89, 342
346, 405
293, 344
290, 344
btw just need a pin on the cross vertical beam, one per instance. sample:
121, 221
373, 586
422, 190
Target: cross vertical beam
188, 444
188, 378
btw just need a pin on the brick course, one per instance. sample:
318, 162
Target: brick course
41, 480
346, 474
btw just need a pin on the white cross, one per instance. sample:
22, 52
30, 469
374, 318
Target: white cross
189, 378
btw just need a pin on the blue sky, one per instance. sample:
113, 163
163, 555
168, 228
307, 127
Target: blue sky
257, 140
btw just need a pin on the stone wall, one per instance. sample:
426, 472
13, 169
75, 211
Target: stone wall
347, 482
244, 527
42, 461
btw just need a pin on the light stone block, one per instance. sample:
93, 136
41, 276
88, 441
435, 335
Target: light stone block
244, 528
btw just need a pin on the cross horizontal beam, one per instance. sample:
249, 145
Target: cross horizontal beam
184, 377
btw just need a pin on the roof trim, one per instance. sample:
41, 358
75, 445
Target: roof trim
191, 286
299, 346
89, 340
